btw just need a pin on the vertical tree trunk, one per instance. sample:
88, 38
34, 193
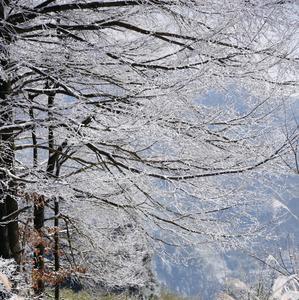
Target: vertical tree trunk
13, 228
9, 233
4, 245
52, 155
39, 206
33, 135
52, 161
39, 220
56, 245
39, 250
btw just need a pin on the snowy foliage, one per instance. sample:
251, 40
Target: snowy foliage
12, 282
286, 287
172, 116
277, 280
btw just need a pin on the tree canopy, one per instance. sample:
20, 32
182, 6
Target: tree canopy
169, 115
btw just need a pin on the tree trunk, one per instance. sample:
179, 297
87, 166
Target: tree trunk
56, 245
9, 232
39, 249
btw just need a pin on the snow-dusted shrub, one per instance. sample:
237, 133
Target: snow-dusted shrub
286, 288
12, 282
283, 288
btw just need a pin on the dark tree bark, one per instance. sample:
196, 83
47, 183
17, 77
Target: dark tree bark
4, 243
56, 245
39, 208
9, 231
39, 250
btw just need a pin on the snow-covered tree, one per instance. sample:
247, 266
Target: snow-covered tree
169, 115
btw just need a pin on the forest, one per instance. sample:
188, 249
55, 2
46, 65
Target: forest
140, 136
